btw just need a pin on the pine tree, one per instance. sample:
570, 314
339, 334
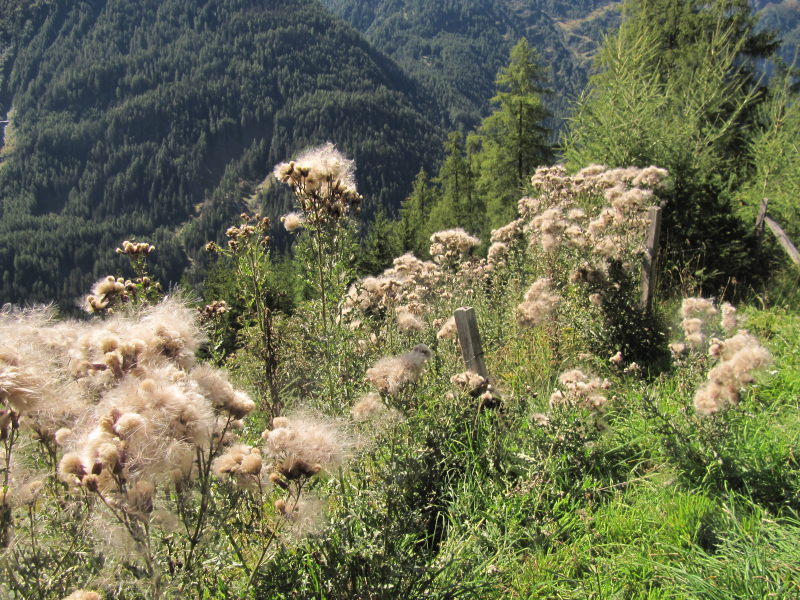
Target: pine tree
512, 141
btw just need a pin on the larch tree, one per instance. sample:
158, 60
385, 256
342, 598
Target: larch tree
676, 87
512, 141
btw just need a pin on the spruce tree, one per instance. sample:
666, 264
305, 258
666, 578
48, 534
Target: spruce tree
414, 213
458, 205
380, 245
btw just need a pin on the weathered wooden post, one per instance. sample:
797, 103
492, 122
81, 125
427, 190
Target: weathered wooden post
470, 340
783, 239
651, 253
762, 214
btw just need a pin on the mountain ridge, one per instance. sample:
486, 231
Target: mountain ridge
466, 42
126, 118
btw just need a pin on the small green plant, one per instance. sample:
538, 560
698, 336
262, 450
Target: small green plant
248, 254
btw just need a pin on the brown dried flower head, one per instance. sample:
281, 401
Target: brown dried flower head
323, 181
389, 375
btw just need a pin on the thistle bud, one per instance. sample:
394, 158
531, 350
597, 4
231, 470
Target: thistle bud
90, 482
276, 479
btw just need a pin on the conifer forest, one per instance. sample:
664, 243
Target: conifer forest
377, 300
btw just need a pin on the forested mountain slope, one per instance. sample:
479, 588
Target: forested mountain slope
783, 16
457, 46
130, 119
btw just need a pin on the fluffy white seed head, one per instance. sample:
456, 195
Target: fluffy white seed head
368, 406
389, 375
293, 221
539, 304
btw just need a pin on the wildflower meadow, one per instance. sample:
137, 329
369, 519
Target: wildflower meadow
301, 432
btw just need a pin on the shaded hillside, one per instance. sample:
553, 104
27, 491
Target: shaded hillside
782, 16
127, 119
456, 47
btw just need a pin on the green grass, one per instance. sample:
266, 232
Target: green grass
451, 501
528, 512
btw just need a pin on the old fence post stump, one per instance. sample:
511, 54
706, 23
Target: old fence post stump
762, 214
470, 340
651, 253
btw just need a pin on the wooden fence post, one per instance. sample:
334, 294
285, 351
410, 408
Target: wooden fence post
783, 239
470, 340
762, 214
651, 252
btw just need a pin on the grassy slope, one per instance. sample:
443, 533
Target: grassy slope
455, 502
660, 504
664, 532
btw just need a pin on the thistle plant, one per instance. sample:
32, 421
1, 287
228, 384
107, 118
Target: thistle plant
582, 237
129, 425
391, 374
713, 340
414, 297
323, 183
248, 253
112, 292
296, 451
9, 432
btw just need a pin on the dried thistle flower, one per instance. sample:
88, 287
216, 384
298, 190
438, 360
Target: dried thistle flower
408, 280
497, 254
213, 311
62, 436
214, 385
83, 595
729, 319
240, 463
451, 246
448, 330
508, 233
554, 220
538, 305
323, 181
697, 307
71, 469
293, 221
302, 446
407, 321
389, 375
582, 390
368, 406
739, 356
700, 323
540, 419
135, 248
469, 381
